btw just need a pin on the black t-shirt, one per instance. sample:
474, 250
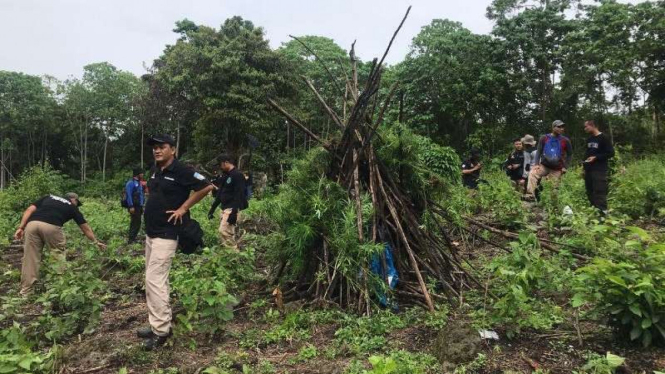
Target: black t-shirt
470, 180
169, 189
231, 191
601, 147
515, 158
56, 211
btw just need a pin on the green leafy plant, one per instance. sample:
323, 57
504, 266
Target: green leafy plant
629, 290
597, 364
72, 300
519, 276
208, 305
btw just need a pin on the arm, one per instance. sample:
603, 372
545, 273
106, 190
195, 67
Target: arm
539, 151
18, 235
214, 206
176, 215
129, 191
569, 154
141, 195
87, 231
608, 150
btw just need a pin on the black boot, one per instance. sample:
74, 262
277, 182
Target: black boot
145, 332
155, 341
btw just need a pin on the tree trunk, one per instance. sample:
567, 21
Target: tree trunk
106, 145
177, 140
142, 144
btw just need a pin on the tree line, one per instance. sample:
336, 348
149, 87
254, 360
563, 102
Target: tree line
544, 60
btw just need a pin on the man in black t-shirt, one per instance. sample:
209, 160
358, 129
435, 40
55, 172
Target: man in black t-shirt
170, 184
231, 195
41, 225
598, 151
471, 170
514, 165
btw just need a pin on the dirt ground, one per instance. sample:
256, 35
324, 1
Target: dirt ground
114, 345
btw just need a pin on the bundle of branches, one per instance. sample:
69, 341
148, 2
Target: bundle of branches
384, 209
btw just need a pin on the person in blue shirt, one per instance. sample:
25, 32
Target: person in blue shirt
135, 201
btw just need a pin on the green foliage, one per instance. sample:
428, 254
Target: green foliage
597, 364
72, 300
208, 304
398, 362
367, 334
523, 278
17, 356
639, 190
629, 289
421, 166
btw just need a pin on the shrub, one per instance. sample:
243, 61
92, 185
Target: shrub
17, 356
629, 290
639, 189
522, 279
72, 300
208, 304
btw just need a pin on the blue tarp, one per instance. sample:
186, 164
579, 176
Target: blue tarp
376, 266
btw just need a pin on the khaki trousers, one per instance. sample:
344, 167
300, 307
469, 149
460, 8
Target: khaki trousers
37, 235
537, 173
227, 231
158, 257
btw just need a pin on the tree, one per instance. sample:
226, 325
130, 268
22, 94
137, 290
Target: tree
456, 85
223, 77
111, 101
27, 117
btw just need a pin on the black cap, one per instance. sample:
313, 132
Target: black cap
136, 171
161, 139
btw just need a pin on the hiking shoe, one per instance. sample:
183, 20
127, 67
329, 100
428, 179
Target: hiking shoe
155, 341
146, 333
528, 197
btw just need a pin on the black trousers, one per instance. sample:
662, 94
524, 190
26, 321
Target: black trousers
596, 188
135, 223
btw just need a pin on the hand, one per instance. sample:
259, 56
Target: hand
132, 210
100, 245
18, 235
510, 167
233, 217
516, 166
478, 167
176, 215
590, 159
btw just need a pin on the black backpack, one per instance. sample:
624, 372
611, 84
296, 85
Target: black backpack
190, 236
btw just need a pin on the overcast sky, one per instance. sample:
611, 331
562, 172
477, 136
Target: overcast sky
59, 37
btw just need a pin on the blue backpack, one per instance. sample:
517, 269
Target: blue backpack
552, 152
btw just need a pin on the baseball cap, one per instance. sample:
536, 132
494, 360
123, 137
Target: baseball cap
528, 140
558, 123
161, 139
72, 195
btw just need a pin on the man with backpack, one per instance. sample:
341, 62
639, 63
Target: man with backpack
514, 165
598, 151
171, 184
553, 155
41, 226
133, 200
232, 195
